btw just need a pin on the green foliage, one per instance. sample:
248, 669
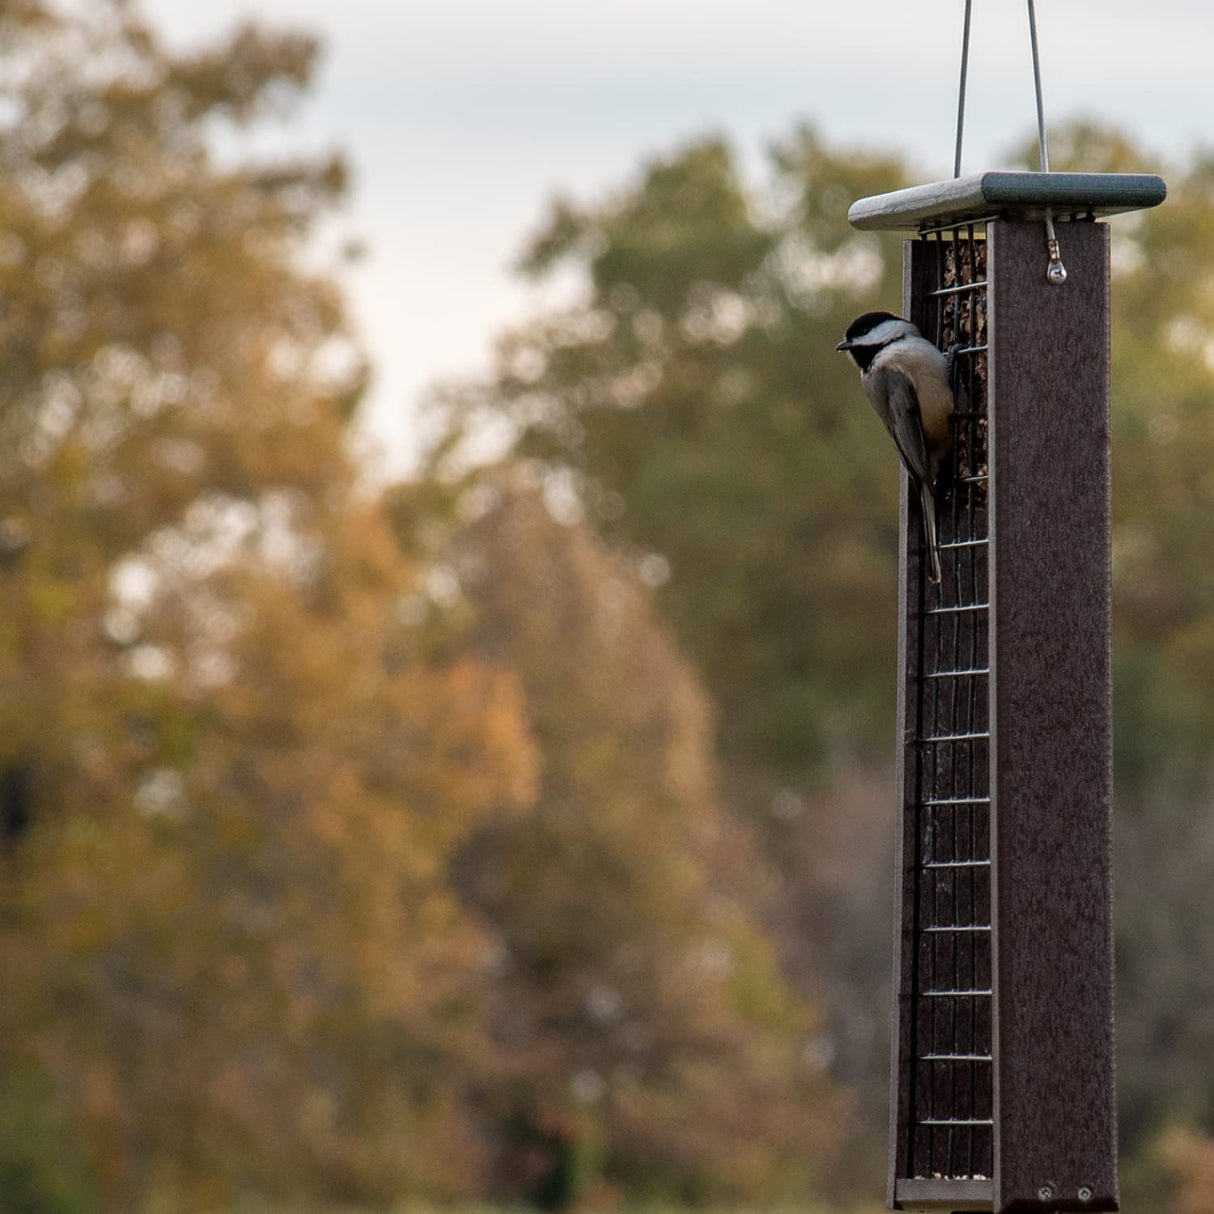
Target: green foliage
691, 404
1163, 591
41, 1171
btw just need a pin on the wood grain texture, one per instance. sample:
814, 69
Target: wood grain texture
1051, 779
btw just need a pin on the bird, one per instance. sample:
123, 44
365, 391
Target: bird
910, 384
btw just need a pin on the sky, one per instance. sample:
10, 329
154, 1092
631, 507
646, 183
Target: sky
463, 118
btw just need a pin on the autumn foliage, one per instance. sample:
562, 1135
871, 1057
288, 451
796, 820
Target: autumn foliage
232, 786
326, 876
520, 832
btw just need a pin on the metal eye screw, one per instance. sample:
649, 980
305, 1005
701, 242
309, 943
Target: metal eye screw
1056, 273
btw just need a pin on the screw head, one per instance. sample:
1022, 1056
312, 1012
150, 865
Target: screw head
1085, 1194
1056, 273
1045, 1192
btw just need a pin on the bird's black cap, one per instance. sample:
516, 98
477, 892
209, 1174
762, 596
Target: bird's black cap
862, 325
867, 323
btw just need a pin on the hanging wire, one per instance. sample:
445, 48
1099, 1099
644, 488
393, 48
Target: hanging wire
965, 63
1056, 272
1045, 156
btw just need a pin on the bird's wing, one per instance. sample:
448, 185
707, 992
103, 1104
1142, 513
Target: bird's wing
902, 421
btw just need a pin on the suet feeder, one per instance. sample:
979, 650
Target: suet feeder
1002, 1065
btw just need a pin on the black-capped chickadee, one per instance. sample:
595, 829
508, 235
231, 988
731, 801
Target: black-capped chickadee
908, 382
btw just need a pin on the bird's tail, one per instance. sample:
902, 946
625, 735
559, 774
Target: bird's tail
927, 507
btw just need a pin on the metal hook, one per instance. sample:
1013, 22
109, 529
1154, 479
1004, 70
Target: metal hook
1056, 271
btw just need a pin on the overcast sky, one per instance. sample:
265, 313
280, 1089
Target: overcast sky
463, 117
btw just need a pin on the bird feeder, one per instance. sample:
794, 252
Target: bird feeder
1002, 1071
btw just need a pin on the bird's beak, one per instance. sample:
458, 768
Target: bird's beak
843, 345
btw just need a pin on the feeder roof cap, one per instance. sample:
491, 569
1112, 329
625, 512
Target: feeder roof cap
1013, 195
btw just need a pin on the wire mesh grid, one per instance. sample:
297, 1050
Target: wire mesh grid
950, 1128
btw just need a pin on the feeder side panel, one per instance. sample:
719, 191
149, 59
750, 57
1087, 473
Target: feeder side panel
1050, 689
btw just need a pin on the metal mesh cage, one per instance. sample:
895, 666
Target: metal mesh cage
949, 1123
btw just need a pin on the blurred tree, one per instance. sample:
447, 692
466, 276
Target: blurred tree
1188, 1163
1163, 595
692, 402
645, 1036
230, 782
239, 756
688, 403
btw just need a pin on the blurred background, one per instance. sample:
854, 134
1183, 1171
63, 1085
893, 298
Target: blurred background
447, 594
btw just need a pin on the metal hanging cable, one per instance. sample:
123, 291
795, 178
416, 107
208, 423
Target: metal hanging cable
1045, 156
1056, 273
965, 62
